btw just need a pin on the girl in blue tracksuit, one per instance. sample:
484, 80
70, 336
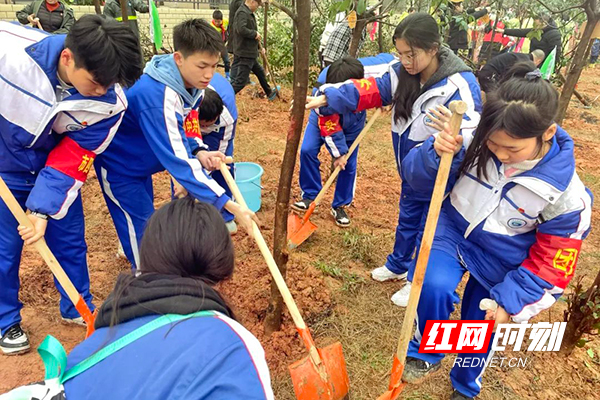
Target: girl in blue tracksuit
427, 75
159, 132
185, 251
515, 218
61, 106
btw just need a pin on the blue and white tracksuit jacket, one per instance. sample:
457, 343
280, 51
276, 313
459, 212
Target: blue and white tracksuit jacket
337, 132
156, 134
212, 357
519, 238
358, 95
220, 135
49, 137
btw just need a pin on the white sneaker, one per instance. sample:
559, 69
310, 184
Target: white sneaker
14, 341
231, 227
75, 321
400, 298
382, 274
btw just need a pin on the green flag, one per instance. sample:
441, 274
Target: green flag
155, 29
547, 68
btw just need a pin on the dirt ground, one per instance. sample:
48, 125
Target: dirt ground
329, 274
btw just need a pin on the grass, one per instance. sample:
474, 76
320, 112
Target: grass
350, 280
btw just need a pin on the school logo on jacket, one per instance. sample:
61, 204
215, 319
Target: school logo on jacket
76, 127
565, 260
516, 223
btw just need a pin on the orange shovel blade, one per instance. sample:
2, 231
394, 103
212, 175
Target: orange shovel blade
298, 231
396, 384
334, 384
392, 394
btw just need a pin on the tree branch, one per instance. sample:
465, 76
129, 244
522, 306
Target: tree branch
582, 5
283, 8
319, 9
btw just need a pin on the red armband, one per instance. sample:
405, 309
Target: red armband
191, 125
71, 159
553, 258
329, 124
368, 92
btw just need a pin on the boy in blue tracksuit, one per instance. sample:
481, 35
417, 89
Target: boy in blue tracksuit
337, 132
158, 133
515, 219
218, 119
426, 76
61, 106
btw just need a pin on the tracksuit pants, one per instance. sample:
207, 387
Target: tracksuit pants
66, 240
438, 298
310, 174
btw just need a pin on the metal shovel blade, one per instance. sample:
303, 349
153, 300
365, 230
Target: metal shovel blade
298, 231
329, 381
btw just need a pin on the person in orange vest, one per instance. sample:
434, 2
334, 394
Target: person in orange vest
220, 25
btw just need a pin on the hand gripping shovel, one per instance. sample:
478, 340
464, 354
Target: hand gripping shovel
458, 108
49, 258
300, 229
322, 375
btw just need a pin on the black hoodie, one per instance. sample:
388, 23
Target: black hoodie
550, 39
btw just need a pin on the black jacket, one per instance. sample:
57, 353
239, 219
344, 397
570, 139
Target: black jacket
245, 28
457, 38
551, 38
233, 7
493, 71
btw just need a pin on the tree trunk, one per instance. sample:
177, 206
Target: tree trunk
97, 7
577, 64
266, 17
280, 253
356, 36
574, 329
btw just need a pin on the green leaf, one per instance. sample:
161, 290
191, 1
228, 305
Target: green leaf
590, 353
580, 343
345, 5
361, 7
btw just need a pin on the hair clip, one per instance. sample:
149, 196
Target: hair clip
533, 75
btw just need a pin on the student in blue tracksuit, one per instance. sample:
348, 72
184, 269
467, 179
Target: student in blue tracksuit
218, 120
185, 251
337, 132
158, 133
515, 218
427, 75
61, 106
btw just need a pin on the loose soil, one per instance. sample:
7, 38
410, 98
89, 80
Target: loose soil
328, 274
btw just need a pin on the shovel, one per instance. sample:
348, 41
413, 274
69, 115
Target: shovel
396, 385
268, 69
42, 247
322, 375
300, 229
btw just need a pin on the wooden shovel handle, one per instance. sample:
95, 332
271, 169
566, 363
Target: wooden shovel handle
353, 147
264, 249
458, 108
42, 247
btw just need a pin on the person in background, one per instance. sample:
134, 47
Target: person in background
112, 9
338, 45
329, 28
458, 39
53, 16
231, 34
246, 50
551, 36
595, 52
221, 25
492, 73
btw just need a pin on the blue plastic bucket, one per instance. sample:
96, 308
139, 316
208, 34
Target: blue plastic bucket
247, 177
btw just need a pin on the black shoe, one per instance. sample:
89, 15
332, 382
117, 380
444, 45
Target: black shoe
456, 395
341, 218
14, 341
301, 205
416, 369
